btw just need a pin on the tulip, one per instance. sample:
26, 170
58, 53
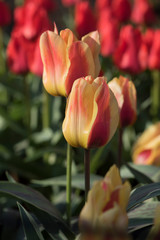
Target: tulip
5, 14
121, 9
125, 93
48, 5
147, 148
106, 204
109, 33
16, 54
154, 56
66, 59
85, 20
68, 3
145, 48
32, 20
126, 53
92, 113
142, 12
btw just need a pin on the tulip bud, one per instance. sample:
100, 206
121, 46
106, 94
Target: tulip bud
106, 204
66, 59
92, 113
125, 93
147, 148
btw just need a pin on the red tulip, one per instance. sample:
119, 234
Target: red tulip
85, 20
5, 14
68, 3
16, 54
108, 29
154, 58
142, 12
121, 9
32, 19
48, 5
34, 58
145, 48
103, 4
126, 53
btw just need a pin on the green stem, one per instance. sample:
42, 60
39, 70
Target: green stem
45, 114
87, 171
120, 148
155, 94
27, 103
69, 178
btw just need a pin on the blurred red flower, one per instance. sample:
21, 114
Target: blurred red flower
108, 29
154, 58
32, 20
68, 3
23, 51
121, 9
16, 53
142, 12
85, 20
145, 48
126, 53
48, 5
5, 14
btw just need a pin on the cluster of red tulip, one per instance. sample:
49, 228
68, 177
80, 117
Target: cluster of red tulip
133, 48
71, 68
30, 21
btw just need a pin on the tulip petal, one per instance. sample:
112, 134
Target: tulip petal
81, 63
68, 36
93, 41
56, 62
78, 113
105, 105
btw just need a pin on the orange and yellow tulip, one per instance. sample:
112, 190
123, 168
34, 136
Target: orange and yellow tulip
66, 59
92, 113
106, 204
125, 93
147, 148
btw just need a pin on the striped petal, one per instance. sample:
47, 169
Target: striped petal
55, 61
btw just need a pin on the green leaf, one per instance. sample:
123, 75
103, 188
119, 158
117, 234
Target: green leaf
38, 202
31, 228
143, 193
77, 181
147, 170
142, 216
141, 177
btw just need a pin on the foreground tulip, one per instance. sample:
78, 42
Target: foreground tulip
147, 148
66, 59
106, 204
125, 93
91, 114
